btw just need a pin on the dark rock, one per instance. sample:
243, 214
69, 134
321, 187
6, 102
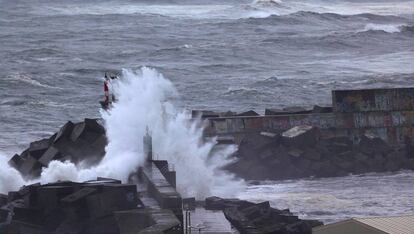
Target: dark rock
78, 130
296, 153
105, 225
65, 131
4, 214
322, 109
16, 161
287, 111
108, 180
261, 218
37, 148
217, 203
113, 197
312, 154
13, 196
3, 199
248, 113
301, 136
49, 196
100, 144
371, 144
17, 227
30, 167
89, 130
339, 148
51, 154
78, 195
28, 215
343, 164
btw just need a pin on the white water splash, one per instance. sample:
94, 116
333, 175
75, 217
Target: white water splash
10, 178
143, 101
389, 28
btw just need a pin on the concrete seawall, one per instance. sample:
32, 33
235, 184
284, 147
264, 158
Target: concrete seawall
387, 113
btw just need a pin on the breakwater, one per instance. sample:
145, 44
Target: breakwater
387, 113
147, 203
364, 131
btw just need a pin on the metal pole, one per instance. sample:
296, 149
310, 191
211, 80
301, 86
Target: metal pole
189, 220
186, 222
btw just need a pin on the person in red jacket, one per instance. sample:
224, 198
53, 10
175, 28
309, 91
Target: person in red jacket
106, 89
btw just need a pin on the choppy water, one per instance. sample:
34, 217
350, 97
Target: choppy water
221, 55
333, 199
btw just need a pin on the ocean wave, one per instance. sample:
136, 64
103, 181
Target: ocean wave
323, 18
389, 28
242, 92
18, 78
268, 3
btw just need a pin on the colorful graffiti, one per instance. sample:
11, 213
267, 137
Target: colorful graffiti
373, 100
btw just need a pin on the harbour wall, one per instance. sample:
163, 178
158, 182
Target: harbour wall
386, 113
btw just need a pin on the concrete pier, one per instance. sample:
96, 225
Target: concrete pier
208, 222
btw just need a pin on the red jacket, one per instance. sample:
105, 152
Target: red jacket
106, 88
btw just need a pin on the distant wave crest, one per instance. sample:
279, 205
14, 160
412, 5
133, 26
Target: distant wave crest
389, 28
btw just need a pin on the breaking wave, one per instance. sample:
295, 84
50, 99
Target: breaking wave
143, 101
23, 78
10, 178
389, 28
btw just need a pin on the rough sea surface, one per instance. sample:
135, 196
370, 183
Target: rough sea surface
221, 55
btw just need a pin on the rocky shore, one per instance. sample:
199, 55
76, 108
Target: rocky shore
302, 152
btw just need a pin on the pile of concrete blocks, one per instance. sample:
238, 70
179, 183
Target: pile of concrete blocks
249, 218
84, 141
94, 207
303, 152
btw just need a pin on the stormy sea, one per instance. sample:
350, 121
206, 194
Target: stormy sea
222, 55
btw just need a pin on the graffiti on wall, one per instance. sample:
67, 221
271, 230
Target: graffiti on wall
373, 100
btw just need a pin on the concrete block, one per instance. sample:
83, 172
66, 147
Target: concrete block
28, 215
37, 148
17, 227
49, 196
133, 221
105, 225
78, 195
29, 194
100, 143
13, 195
51, 154
94, 126
248, 113
4, 214
54, 218
296, 153
322, 109
64, 132
204, 114
30, 167
77, 131
108, 180
3, 199
16, 161
114, 197
301, 136
71, 226
312, 154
